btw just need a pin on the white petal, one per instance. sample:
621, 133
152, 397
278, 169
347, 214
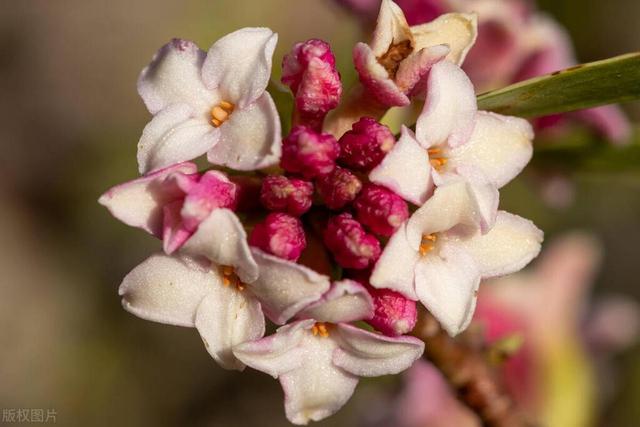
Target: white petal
251, 138
413, 72
276, 354
446, 284
457, 30
449, 109
368, 354
452, 205
500, 147
284, 287
391, 28
376, 80
405, 170
510, 245
318, 388
139, 203
167, 289
346, 301
225, 318
239, 65
222, 239
173, 77
395, 267
174, 136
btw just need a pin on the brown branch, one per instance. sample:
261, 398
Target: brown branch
469, 374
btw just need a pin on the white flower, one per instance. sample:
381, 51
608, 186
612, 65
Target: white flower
318, 360
211, 102
453, 140
440, 255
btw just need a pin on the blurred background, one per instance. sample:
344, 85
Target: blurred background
70, 119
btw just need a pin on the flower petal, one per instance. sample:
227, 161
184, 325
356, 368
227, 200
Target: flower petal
500, 147
222, 239
450, 107
225, 318
284, 287
413, 72
368, 354
167, 289
457, 30
446, 284
276, 354
391, 28
251, 138
346, 301
138, 203
395, 267
173, 77
174, 136
239, 65
405, 170
510, 245
375, 78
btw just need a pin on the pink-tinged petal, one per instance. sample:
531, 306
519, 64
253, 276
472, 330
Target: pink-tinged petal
174, 234
609, 121
213, 190
375, 78
396, 266
457, 30
446, 283
251, 138
318, 388
138, 203
500, 147
510, 245
346, 301
405, 170
173, 77
167, 289
222, 239
368, 354
413, 72
452, 205
450, 108
276, 354
174, 135
225, 318
391, 28
284, 288
239, 65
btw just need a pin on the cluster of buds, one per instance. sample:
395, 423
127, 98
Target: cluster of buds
351, 226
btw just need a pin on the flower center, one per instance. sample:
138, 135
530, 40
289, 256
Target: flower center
428, 243
392, 58
221, 112
437, 158
229, 277
320, 328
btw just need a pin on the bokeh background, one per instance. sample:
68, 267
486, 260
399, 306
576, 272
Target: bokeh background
69, 122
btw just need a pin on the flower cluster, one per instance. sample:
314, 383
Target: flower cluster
352, 226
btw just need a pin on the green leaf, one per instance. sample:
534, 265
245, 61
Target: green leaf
609, 81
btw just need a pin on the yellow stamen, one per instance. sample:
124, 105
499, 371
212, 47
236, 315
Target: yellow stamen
320, 328
229, 277
428, 243
221, 112
436, 158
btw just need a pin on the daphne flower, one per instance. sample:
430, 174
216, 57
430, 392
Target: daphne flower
453, 140
211, 102
318, 360
395, 65
440, 254
183, 291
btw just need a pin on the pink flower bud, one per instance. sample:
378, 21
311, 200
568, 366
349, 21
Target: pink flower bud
338, 188
394, 314
364, 147
310, 71
290, 195
380, 209
281, 235
349, 243
211, 191
309, 153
